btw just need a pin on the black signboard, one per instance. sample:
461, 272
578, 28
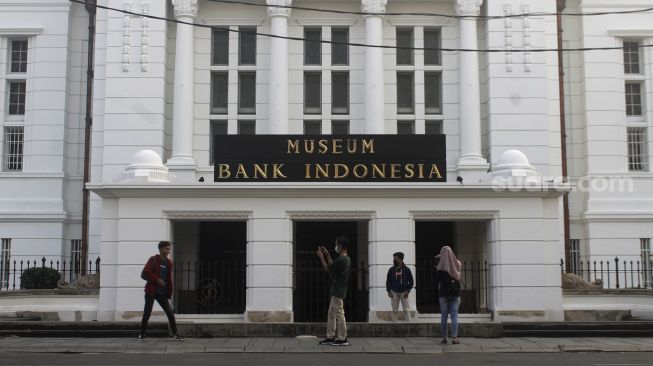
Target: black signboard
329, 158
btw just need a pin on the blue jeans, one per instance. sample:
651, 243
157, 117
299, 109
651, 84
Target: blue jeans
449, 305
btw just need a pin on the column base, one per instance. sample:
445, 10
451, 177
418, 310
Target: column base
473, 170
184, 168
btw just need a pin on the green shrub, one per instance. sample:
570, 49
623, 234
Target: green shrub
39, 278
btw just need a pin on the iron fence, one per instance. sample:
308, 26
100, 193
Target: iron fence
12, 271
311, 291
210, 286
474, 281
617, 273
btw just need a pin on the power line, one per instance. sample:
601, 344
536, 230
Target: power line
440, 15
494, 50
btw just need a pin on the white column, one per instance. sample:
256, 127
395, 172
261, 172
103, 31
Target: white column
374, 84
278, 76
182, 116
471, 162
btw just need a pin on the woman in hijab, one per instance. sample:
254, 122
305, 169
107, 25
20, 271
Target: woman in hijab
448, 282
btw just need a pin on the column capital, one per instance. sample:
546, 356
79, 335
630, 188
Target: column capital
468, 7
373, 7
274, 9
185, 8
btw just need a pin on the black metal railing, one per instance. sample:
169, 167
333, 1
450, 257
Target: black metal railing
210, 287
11, 271
473, 293
614, 274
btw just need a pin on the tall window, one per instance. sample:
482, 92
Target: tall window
13, 148
5, 255
574, 254
321, 71
233, 82
636, 116
637, 151
647, 261
419, 70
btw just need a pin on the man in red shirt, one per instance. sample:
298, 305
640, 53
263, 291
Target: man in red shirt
158, 274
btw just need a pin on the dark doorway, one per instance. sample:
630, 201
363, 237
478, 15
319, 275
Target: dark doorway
212, 278
311, 283
430, 237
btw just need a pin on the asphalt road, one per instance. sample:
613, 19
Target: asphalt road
267, 359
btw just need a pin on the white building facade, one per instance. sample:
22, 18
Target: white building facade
244, 251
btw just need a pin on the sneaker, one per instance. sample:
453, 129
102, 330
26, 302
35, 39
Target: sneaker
327, 342
341, 342
141, 337
179, 338
443, 341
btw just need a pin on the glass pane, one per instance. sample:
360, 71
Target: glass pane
312, 46
219, 92
404, 39
432, 87
247, 46
431, 46
218, 127
247, 127
405, 127
18, 56
631, 57
433, 127
313, 92
633, 99
405, 88
17, 98
340, 127
340, 52
220, 46
312, 127
247, 92
340, 92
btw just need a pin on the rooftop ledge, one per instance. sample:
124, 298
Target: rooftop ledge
300, 189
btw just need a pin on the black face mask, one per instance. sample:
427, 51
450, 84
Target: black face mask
396, 263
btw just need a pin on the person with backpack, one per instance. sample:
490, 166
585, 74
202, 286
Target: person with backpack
448, 284
398, 283
158, 274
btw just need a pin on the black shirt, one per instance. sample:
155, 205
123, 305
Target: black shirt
443, 280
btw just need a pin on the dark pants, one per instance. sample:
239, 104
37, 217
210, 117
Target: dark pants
165, 304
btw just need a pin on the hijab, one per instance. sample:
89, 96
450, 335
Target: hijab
449, 263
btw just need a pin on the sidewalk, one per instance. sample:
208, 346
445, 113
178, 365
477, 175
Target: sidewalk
309, 344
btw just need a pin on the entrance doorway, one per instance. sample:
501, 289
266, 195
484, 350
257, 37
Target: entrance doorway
311, 283
467, 239
210, 264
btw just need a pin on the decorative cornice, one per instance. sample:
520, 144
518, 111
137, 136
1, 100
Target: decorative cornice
427, 214
20, 31
468, 7
330, 214
373, 7
185, 8
187, 214
274, 9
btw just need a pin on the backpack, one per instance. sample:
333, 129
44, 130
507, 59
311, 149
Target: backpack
452, 286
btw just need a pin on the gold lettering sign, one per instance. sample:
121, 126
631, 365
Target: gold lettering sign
351, 158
